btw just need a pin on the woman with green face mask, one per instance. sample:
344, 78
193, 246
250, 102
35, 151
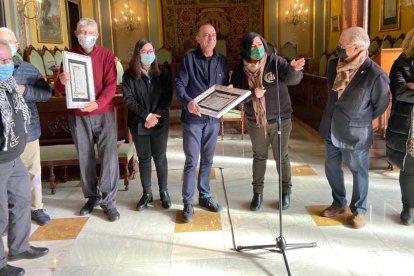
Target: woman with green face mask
257, 72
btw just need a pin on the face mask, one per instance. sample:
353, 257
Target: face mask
6, 71
87, 41
341, 53
13, 49
257, 53
147, 58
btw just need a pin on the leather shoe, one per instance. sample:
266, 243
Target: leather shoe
10, 270
285, 201
31, 253
112, 214
256, 201
165, 200
143, 202
407, 215
89, 205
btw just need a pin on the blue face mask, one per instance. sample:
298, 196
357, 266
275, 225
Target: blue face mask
6, 71
13, 49
147, 58
87, 41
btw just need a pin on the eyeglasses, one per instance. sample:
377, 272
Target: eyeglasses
147, 52
6, 60
344, 46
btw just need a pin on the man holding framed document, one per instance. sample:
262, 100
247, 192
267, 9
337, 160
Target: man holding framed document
91, 116
199, 70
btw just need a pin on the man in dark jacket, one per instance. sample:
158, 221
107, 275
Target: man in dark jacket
358, 93
34, 88
14, 180
199, 70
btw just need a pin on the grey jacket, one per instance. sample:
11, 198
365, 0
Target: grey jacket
349, 119
37, 90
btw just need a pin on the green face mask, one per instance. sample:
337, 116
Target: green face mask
257, 53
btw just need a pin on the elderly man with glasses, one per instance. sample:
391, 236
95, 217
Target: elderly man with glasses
358, 93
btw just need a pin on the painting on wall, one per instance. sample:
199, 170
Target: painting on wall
231, 19
49, 27
390, 15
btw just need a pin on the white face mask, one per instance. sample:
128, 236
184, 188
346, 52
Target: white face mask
87, 41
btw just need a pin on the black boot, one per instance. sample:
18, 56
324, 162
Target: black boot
407, 215
165, 200
256, 201
143, 202
285, 201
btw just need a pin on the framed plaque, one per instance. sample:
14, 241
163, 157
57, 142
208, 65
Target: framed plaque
218, 99
80, 90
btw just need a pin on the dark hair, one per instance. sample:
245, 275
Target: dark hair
246, 44
135, 62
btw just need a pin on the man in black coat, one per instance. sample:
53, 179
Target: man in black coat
358, 93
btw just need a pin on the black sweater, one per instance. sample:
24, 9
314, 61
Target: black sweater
15, 146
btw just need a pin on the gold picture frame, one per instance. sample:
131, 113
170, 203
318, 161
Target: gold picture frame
49, 23
390, 12
335, 23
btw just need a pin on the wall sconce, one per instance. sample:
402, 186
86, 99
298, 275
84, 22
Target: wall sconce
32, 5
296, 14
409, 4
127, 21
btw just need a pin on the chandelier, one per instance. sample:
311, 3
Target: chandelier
296, 14
32, 5
128, 21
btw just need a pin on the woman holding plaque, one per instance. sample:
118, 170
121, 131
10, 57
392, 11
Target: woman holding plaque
267, 76
148, 93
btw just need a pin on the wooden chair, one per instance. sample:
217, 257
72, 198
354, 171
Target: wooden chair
221, 47
288, 51
387, 42
234, 115
57, 53
398, 42
164, 55
35, 58
375, 46
323, 64
50, 63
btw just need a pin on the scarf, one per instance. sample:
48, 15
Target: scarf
10, 86
345, 71
254, 74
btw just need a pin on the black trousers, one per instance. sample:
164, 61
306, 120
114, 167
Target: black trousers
407, 182
153, 146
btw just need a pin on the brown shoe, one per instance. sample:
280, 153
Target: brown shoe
357, 221
333, 211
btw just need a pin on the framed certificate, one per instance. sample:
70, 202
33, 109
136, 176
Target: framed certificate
80, 90
218, 99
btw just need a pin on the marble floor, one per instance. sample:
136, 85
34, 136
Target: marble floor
155, 242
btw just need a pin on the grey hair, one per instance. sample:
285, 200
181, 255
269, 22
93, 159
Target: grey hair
357, 36
5, 30
5, 43
86, 21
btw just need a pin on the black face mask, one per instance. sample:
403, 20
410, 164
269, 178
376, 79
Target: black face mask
341, 53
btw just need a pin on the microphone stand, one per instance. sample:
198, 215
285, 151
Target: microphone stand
280, 245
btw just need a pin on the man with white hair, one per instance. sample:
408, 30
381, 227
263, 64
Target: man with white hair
95, 123
358, 93
14, 180
34, 88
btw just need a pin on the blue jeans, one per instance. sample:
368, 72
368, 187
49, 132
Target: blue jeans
199, 141
358, 163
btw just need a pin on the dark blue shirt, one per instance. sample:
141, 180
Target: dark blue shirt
195, 75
